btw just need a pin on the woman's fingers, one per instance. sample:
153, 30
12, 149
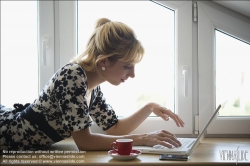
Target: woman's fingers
165, 114
163, 138
168, 113
168, 139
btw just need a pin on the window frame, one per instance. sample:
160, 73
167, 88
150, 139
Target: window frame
46, 28
210, 18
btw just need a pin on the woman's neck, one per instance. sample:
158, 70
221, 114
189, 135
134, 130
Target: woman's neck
93, 79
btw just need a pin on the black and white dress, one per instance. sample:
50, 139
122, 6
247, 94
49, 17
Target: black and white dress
60, 109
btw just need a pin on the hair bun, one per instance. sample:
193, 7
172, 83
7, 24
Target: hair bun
101, 21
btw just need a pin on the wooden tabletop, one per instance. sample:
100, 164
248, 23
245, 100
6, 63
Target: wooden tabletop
212, 151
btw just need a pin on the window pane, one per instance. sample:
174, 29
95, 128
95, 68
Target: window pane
154, 75
19, 59
232, 75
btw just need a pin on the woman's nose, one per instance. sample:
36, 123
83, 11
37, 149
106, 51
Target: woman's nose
132, 73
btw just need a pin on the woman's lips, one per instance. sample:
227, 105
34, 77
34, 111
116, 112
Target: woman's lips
123, 80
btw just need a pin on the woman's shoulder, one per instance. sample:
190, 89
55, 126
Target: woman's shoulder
73, 69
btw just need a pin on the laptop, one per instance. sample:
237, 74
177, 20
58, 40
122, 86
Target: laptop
188, 144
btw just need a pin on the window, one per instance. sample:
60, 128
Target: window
19, 59
196, 79
54, 43
181, 49
27, 49
223, 50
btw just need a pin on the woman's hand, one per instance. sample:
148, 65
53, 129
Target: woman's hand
161, 137
165, 113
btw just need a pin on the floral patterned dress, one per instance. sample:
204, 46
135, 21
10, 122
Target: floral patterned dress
60, 109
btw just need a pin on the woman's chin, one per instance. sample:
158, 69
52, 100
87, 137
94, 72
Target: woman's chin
115, 83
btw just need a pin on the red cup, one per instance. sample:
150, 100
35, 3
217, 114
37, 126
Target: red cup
123, 146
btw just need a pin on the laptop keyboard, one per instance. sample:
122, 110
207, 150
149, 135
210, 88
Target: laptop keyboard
184, 142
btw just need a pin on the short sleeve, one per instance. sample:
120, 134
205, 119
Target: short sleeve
71, 90
101, 112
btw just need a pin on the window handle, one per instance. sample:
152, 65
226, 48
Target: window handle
45, 46
185, 78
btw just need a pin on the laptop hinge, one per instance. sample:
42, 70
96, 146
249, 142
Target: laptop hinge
196, 124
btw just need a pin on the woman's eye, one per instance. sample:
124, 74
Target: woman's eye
127, 67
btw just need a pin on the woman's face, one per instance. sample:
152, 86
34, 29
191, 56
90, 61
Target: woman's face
117, 72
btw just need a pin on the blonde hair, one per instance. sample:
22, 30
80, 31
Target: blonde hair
112, 40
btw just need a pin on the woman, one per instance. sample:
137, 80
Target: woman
73, 95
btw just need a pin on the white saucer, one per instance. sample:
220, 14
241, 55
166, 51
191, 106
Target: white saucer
133, 155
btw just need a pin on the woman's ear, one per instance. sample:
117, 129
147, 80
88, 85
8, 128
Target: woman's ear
102, 62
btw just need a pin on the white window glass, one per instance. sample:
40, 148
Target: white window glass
155, 75
19, 57
232, 75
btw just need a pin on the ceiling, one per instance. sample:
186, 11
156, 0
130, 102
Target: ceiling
242, 7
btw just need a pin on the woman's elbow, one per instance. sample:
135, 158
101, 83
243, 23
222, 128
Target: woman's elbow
116, 130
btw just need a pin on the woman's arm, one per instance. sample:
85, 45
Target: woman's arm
85, 140
128, 124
